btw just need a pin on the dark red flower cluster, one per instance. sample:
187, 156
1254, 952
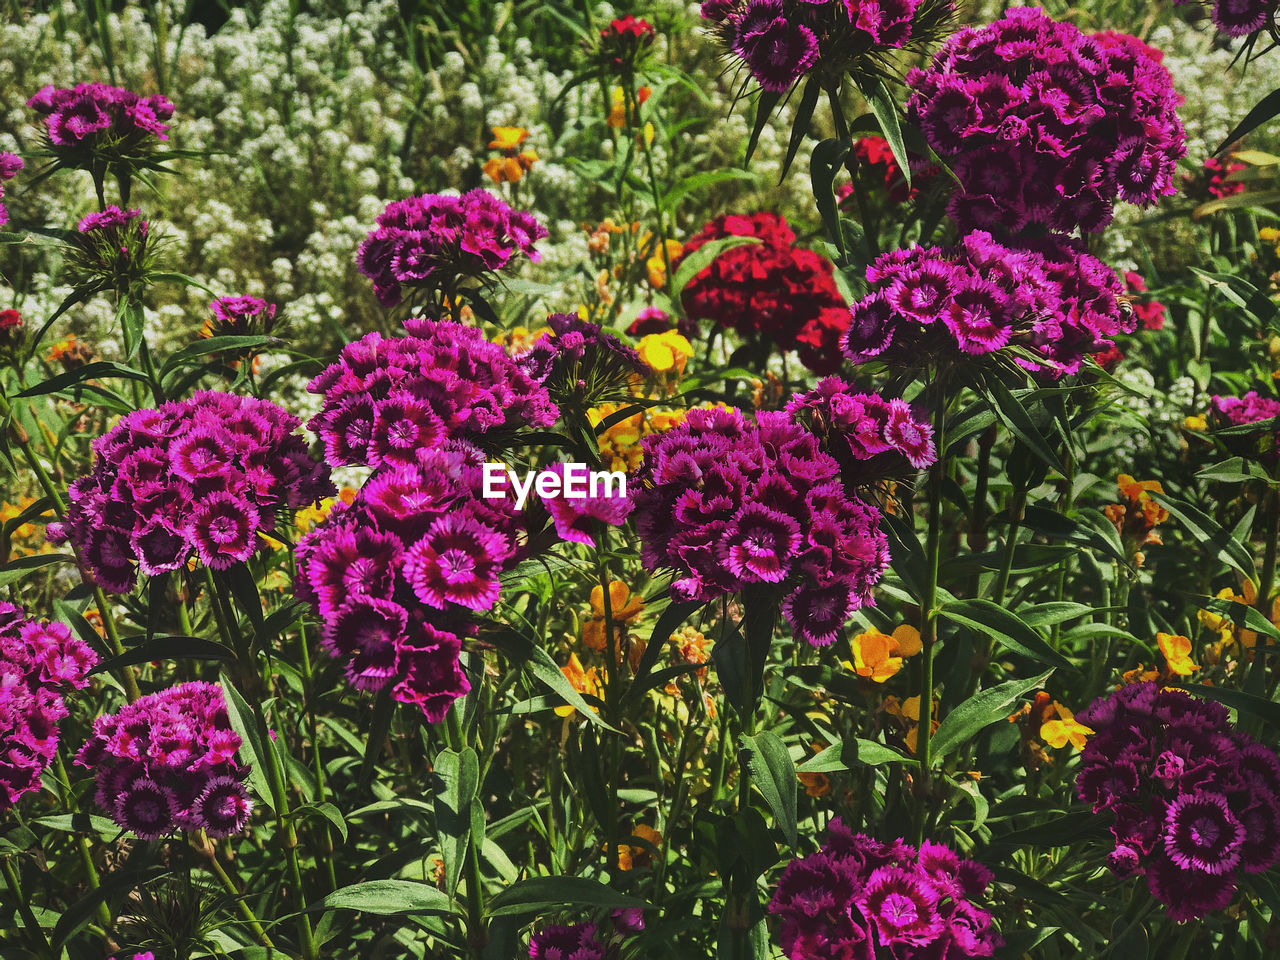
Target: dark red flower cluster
1149, 311
623, 40
1217, 172
772, 289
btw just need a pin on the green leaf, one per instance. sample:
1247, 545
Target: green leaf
458, 781
800, 123
1204, 528
1056, 611
1234, 470
15, 570
204, 348
698, 181
824, 162
548, 671
1242, 615
1005, 628
106, 830
166, 648
132, 322
536, 895
98, 370
885, 109
387, 898
774, 775
1236, 201
1268, 711
765, 103
700, 259
252, 750
1010, 411
1265, 109
379, 726
980, 711
676, 613
323, 811
847, 754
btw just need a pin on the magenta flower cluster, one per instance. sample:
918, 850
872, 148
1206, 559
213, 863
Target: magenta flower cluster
1048, 305
39, 663
781, 40
167, 762
1239, 18
207, 475
580, 363
433, 241
386, 398
732, 505
1047, 126
567, 942
394, 575
1251, 408
91, 113
575, 517
10, 164
859, 899
239, 313
1195, 802
868, 435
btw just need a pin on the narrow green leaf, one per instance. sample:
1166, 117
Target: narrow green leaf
1205, 528
252, 750
166, 648
457, 775
980, 711
98, 370
1005, 628
387, 898
324, 811
885, 109
1268, 711
15, 570
1010, 411
825, 160
1265, 109
774, 775
847, 754
800, 122
536, 895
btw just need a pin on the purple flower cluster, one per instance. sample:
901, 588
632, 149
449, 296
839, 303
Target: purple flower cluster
580, 363
856, 895
167, 762
394, 575
1239, 18
1251, 408
1048, 305
207, 475
1195, 801
387, 398
1045, 125
10, 164
38, 663
92, 113
781, 40
433, 241
868, 435
729, 504
575, 942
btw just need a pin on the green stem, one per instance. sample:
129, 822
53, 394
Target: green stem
1266, 584
82, 842
928, 615
210, 852
477, 933
864, 212
29, 922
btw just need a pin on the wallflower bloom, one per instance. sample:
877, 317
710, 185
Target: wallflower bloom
513, 163
771, 290
433, 242
624, 609
666, 352
1177, 653
729, 505
879, 656
584, 680
39, 664
1046, 126
1195, 802
618, 111
167, 762
857, 898
1063, 729
206, 475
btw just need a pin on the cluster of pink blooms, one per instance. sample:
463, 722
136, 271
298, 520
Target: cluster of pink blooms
395, 574
38, 664
388, 397
91, 114
1195, 801
1251, 408
10, 164
1047, 126
1216, 172
859, 899
869, 436
207, 475
731, 505
782, 40
1048, 305
433, 241
167, 762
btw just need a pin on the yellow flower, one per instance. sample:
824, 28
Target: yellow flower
907, 712
508, 139
1196, 423
1177, 653
1269, 234
503, 169
657, 264
1064, 729
630, 857
585, 681
879, 656
624, 609
1138, 674
22, 538
618, 112
665, 352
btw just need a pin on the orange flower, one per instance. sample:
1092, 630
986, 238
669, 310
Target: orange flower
630, 857
513, 163
907, 713
624, 609
879, 656
508, 139
815, 784
585, 681
618, 113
